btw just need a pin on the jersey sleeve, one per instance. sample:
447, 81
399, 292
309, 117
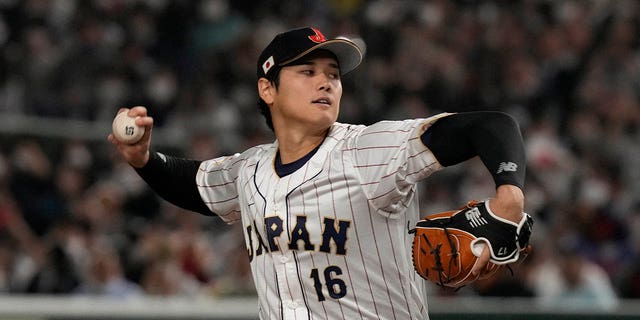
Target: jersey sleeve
390, 159
216, 180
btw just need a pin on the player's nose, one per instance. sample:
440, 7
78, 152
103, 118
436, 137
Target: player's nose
324, 83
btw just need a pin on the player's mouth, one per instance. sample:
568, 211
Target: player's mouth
322, 101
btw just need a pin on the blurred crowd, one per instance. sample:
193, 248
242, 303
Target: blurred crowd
75, 219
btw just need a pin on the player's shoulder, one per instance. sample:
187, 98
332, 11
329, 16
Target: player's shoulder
258, 151
249, 156
397, 126
345, 130
340, 130
385, 132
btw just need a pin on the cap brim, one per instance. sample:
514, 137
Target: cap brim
348, 53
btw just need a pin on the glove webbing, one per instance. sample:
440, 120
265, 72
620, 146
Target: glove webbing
436, 252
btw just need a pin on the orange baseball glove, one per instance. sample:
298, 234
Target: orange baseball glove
446, 245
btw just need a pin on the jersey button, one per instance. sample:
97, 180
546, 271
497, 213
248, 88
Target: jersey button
293, 305
284, 259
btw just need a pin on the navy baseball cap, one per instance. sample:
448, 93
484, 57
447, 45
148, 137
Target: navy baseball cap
291, 45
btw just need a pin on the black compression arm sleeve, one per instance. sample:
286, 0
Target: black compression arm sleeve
174, 180
493, 136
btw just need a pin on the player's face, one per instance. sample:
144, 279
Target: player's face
309, 93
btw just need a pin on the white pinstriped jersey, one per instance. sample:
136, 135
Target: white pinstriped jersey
330, 240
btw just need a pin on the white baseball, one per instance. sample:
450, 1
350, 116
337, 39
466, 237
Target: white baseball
125, 129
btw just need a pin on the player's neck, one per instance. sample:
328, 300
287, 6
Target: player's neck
293, 147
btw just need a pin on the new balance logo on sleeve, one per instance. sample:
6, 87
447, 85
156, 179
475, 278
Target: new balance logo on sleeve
507, 166
475, 218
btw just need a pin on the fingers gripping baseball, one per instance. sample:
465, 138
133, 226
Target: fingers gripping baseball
134, 152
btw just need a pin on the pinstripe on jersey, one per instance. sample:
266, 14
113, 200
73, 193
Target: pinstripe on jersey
330, 240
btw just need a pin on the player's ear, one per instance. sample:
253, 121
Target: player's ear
266, 90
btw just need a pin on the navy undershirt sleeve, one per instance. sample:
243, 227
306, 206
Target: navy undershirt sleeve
174, 180
493, 136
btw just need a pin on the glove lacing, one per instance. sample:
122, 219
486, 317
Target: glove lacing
436, 253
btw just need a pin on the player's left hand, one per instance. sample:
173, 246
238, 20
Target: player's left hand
457, 247
508, 203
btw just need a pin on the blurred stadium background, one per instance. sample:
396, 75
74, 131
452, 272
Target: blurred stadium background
82, 237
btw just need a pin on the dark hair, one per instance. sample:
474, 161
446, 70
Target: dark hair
274, 78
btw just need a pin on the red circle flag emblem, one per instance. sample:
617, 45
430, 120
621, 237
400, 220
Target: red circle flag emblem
268, 64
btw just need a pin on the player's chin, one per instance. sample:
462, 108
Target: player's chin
329, 110
327, 119
321, 122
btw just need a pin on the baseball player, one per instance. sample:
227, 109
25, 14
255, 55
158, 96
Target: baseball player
326, 207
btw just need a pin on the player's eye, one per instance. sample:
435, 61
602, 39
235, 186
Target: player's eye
309, 72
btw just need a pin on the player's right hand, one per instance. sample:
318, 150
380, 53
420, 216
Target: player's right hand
136, 154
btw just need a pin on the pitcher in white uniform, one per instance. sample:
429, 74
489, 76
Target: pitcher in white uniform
327, 206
